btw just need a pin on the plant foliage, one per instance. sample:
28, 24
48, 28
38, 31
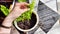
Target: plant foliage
25, 16
4, 9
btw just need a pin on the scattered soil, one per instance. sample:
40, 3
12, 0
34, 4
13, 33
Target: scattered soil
27, 24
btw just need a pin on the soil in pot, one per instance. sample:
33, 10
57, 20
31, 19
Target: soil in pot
28, 24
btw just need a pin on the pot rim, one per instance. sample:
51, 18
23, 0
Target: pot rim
15, 24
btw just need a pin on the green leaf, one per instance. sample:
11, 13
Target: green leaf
22, 0
32, 5
26, 15
4, 9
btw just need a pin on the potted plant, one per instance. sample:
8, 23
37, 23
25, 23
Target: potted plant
28, 20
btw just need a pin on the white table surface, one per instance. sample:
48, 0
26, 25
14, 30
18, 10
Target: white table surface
50, 3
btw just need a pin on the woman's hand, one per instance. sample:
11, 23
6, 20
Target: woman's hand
17, 11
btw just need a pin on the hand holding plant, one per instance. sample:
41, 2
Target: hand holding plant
20, 17
19, 9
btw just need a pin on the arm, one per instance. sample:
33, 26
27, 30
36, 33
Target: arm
12, 16
7, 22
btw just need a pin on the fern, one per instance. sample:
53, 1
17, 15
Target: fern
26, 15
22, 0
4, 9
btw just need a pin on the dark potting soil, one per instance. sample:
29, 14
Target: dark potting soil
28, 24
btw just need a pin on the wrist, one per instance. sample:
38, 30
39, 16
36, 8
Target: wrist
4, 30
8, 21
10, 18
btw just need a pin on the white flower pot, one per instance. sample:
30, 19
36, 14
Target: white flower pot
15, 24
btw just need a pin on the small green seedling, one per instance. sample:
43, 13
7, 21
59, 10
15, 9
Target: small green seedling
25, 16
4, 9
